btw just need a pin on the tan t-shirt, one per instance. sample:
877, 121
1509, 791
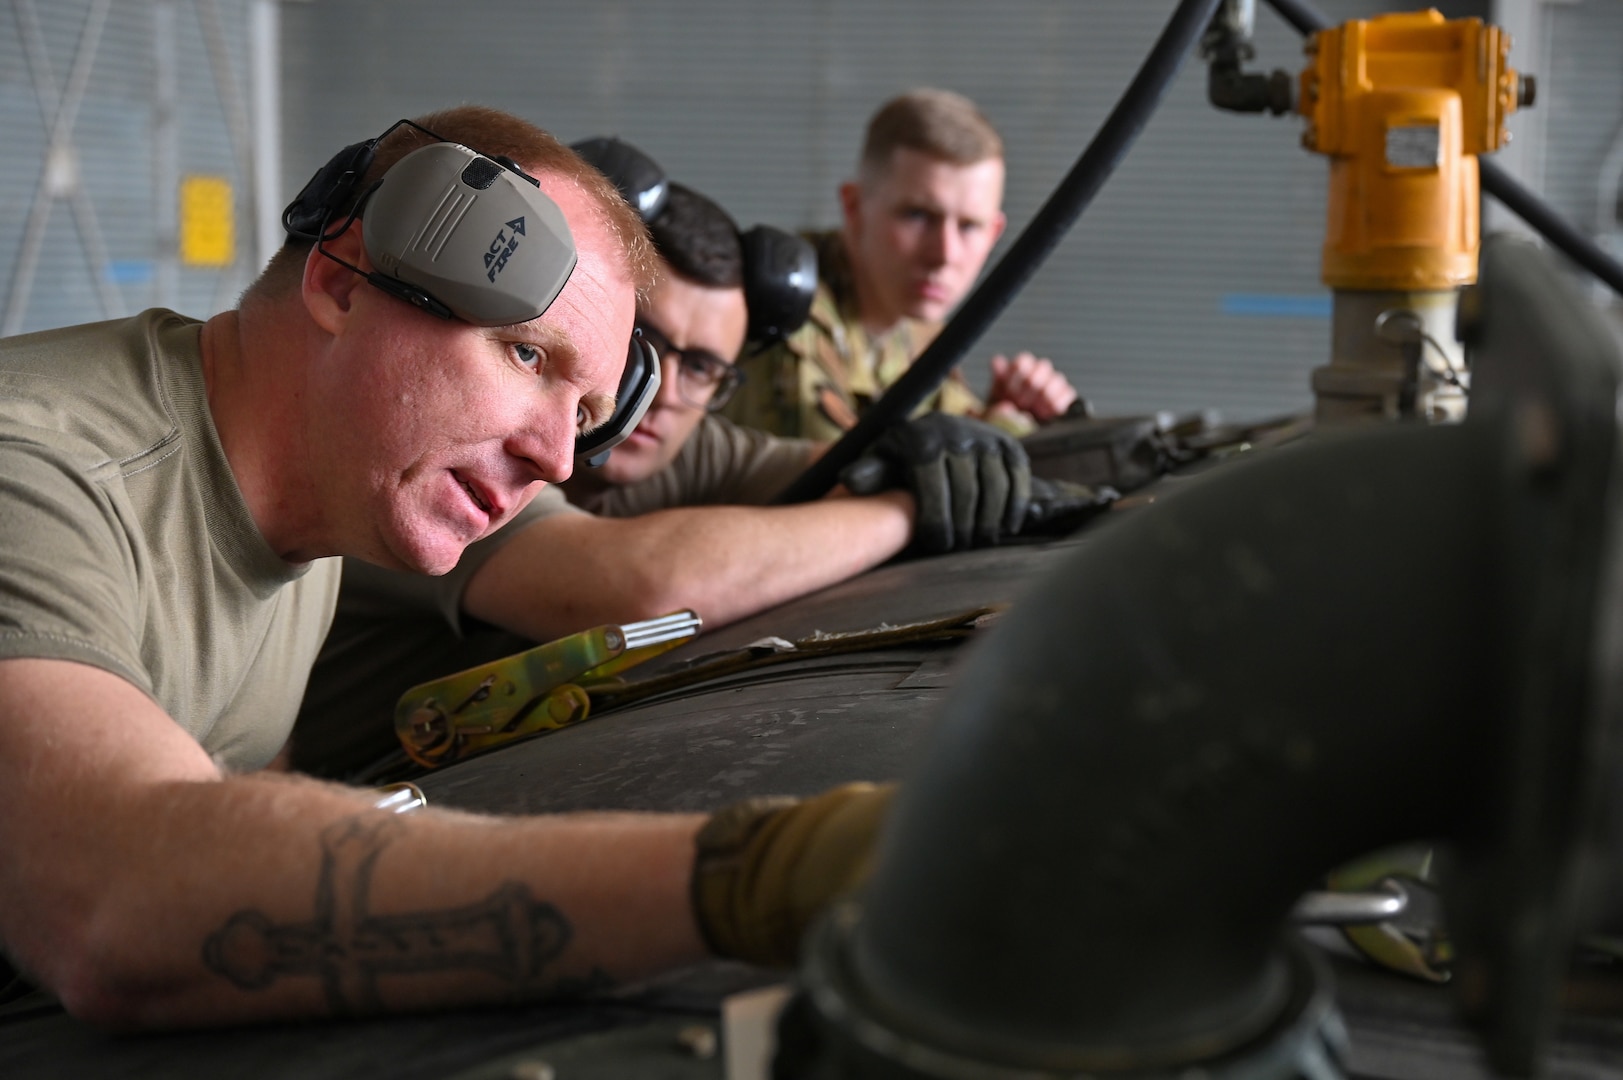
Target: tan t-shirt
721, 464
127, 544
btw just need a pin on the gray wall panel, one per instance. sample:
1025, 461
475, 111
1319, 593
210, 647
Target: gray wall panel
1583, 98
117, 155
761, 104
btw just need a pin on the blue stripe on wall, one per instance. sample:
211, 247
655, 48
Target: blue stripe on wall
1269, 305
129, 271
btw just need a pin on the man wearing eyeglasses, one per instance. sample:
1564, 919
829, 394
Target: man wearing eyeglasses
695, 317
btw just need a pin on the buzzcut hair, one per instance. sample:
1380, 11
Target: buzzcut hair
941, 123
490, 132
698, 239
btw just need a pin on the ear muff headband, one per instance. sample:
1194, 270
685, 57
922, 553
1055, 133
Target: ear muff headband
780, 268
640, 179
325, 194
639, 385
449, 230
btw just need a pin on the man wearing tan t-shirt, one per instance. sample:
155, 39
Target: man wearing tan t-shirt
170, 495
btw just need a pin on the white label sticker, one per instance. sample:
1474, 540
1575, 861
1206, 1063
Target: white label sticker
1414, 146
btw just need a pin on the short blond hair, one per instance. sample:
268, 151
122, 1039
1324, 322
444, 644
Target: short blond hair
491, 132
940, 123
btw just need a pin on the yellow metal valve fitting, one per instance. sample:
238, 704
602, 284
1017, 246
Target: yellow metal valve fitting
1402, 104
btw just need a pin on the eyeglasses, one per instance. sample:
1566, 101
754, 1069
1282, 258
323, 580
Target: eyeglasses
703, 379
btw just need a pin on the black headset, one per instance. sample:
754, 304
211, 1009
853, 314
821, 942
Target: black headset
462, 235
639, 385
780, 268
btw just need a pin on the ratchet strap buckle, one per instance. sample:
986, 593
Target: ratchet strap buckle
540, 689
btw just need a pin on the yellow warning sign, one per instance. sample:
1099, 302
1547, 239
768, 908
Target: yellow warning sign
208, 232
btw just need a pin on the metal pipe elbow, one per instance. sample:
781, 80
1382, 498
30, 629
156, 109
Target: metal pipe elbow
1397, 633
1164, 746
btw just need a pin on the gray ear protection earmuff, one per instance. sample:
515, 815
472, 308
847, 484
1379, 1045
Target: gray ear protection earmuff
466, 236
780, 268
449, 230
470, 232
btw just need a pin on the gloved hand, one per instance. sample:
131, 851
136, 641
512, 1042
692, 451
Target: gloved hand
970, 480
1060, 505
766, 868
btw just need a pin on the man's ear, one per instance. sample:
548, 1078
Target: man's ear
851, 208
328, 289
998, 225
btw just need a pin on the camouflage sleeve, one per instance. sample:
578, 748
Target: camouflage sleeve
798, 389
768, 400
804, 388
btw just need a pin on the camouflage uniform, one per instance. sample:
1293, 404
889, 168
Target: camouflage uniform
816, 384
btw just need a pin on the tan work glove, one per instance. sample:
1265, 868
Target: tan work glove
767, 867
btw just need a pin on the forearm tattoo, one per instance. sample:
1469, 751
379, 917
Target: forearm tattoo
509, 934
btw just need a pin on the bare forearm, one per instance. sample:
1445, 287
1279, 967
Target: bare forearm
279, 897
724, 562
730, 562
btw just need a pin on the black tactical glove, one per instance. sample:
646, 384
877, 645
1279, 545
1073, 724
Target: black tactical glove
1059, 505
972, 482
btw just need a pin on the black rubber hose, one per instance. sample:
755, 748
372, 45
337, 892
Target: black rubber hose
1498, 183
1550, 225
1027, 252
